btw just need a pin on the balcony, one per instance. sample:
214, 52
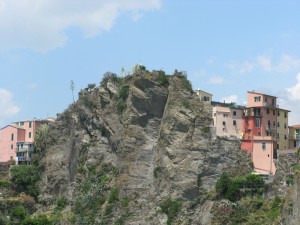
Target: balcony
273, 105
294, 137
24, 149
270, 127
264, 138
252, 113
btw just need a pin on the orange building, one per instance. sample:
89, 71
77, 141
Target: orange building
16, 141
260, 131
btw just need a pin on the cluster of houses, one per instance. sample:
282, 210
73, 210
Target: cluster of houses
17, 140
262, 127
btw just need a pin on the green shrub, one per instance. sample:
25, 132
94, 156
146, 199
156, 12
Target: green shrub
39, 220
223, 184
5, 184
185, 103
121, 105
290, 179
19, 213
25, 177
114, 195
295, 167
171, 208
205, 129
233, 192
124, 92
156, 171
162, 78
61, 203
187, 84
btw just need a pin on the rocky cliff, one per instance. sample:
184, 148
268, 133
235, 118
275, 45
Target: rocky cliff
135, 150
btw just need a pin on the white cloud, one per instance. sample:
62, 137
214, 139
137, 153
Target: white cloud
229, 99
290, 99
32, 86
294, 92
216, 80
42, 25
245, 67
7, 107
286, 63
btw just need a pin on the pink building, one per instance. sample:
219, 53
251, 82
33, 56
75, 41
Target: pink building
16, 141
227, 119
260, 131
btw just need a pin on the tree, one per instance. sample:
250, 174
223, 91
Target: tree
223, 184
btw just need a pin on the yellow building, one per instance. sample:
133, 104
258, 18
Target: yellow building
204, 96
294, 136
282, 129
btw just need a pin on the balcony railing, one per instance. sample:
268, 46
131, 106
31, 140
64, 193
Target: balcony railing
22, 149
271, 105
294, 137
270, 127
266, 138
251, 113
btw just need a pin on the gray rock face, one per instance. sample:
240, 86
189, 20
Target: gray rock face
160, 144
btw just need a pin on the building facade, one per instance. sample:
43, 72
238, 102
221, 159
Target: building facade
227, 119
204, 96
260, 131
294, 136
17, 141
282, 129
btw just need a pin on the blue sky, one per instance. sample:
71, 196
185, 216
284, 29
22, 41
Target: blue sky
226, 47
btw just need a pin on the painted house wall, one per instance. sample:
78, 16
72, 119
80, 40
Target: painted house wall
265, 100
7, 144
23, 139
294, 137
204, 96
282, 129
226, 115
263, 157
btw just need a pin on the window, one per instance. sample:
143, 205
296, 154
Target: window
225, 115
274, 113
205, 98
285, 126
278, 135
234, 113
278, 113
274, 123
259, 134
268, 111
29, 135
11, 146
257, 99
257, 122
278, 124
285, 137
224, 123
12, 137
21, 124
234, 123
285, 115
266, 99
30, 124
263, 145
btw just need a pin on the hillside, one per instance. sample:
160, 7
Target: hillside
140, 150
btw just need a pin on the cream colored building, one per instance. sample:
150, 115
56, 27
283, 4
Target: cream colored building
294, 136
282, 129
204, 96
227, 119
